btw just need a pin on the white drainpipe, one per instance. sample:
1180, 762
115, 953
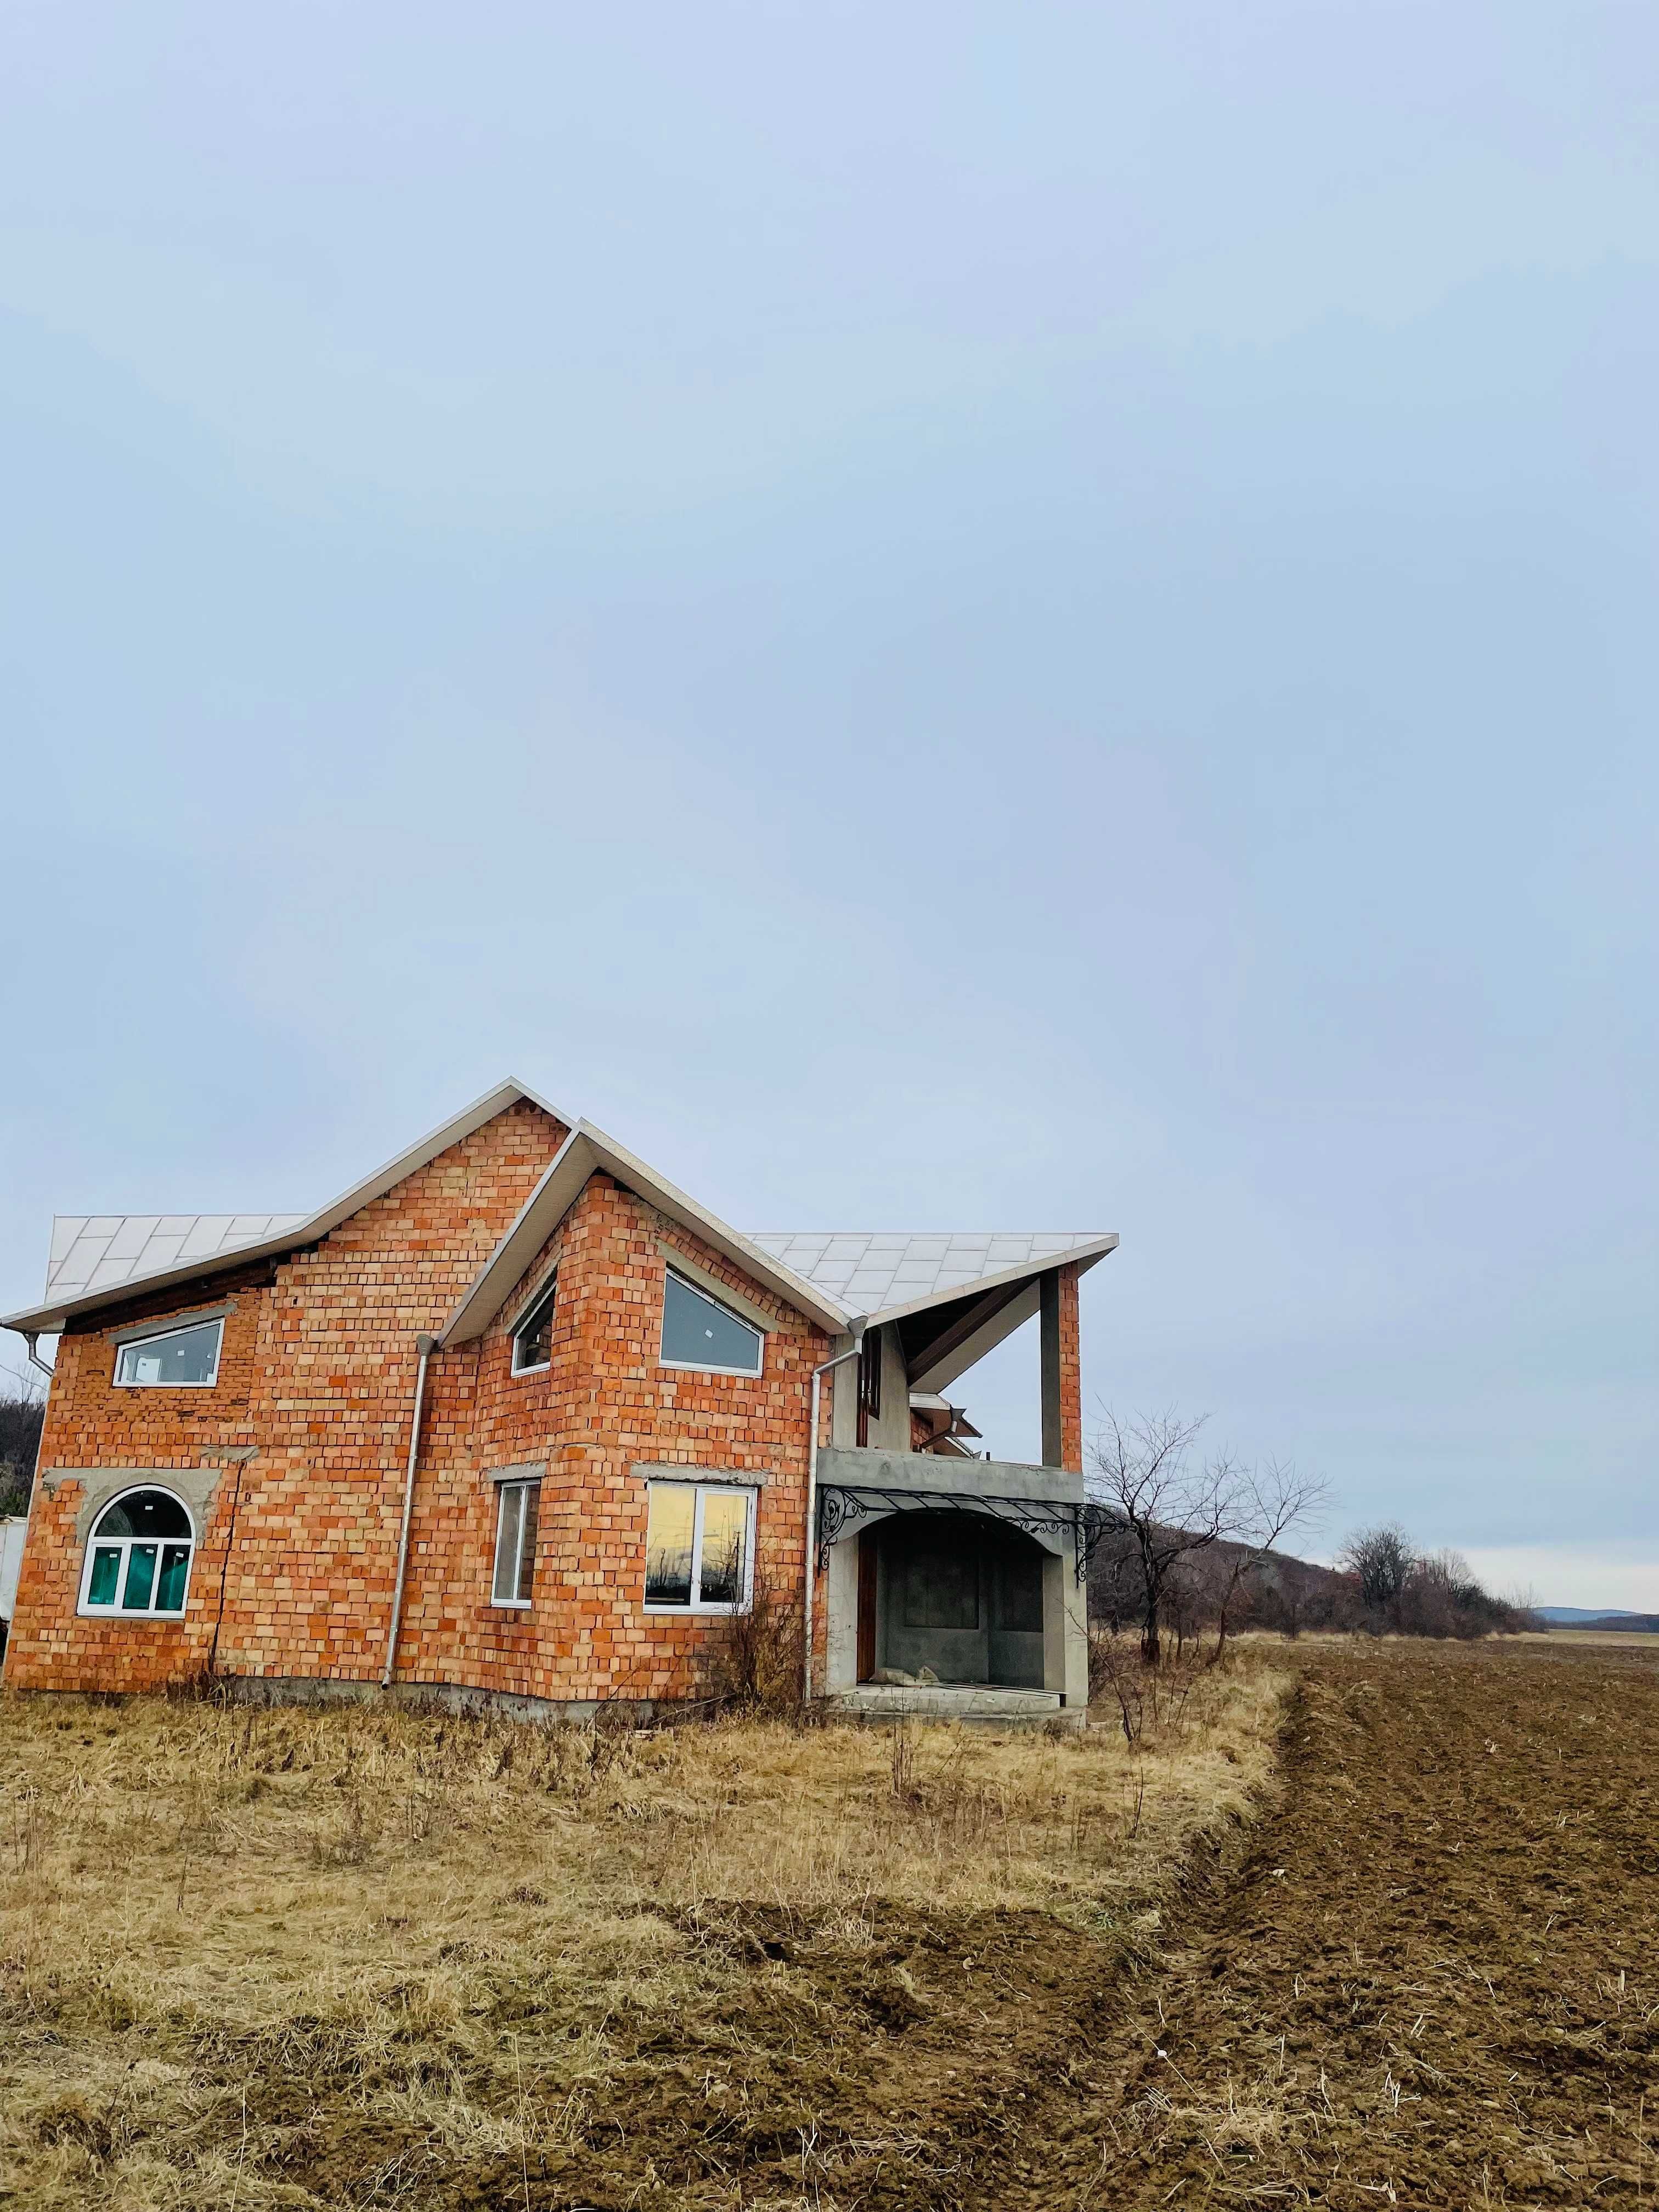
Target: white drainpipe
813, 1500
426, 1345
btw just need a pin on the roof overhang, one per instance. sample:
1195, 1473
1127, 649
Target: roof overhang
945, 1335
587, 1151
49, 1320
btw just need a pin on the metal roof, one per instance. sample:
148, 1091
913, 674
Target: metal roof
106, 1251
829, 1276
886, 1273
101, 1242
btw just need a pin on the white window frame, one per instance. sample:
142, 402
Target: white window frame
127, 1344
515, 1604
547, 1296
708, 1367
706, 1490
95, 1543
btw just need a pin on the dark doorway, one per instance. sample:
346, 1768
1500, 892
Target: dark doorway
960, 1593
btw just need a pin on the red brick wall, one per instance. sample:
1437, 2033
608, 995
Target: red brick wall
1071, 1374
605, 1405
320, 1377
318, 1374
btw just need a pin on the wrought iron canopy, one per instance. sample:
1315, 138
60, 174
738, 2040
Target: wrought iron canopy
842, 1506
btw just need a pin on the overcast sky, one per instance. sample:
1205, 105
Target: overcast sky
941, 615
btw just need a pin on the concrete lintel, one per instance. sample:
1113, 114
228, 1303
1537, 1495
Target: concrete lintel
195, 1485
664, 1470
963, 1478
529, 1470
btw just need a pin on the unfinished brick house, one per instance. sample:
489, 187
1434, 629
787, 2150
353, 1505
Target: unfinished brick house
515, 1418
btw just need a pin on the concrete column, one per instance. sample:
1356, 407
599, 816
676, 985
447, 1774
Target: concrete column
1054, 1433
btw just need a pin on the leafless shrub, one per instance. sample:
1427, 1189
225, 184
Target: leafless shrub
753, 1661
1155, 1698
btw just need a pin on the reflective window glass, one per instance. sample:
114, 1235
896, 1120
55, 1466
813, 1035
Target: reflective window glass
698, 1332
668, 1541
138, 1560
725, 1525
529, 1518
507, 1543
176, 1358
516, 1517
175, 1574
532, 1339
140, 1577
145, 1513
696, 1546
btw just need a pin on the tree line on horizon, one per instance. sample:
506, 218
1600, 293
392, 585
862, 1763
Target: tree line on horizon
1191, 1548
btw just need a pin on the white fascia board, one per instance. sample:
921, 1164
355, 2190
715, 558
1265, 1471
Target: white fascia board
48, 1320
560, 1186
1080, 1256
588, 1150
795, 1290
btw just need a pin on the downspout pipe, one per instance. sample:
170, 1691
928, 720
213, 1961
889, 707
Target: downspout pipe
426, 1345
31, 1338
818, 1373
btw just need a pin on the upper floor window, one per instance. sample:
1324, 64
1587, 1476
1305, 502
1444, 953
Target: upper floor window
532, 1339
172, 1360
869, 1384
698, 1331
138, 1560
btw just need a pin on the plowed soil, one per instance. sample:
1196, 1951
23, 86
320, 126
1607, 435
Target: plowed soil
1429, 1976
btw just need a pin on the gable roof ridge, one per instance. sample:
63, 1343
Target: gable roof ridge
297, 1229
587, 1151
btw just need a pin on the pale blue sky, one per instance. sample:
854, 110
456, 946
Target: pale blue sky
941, 615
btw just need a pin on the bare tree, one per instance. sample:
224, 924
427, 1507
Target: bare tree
1172, 1506
1268, 1503
23, 1411
1383, 1559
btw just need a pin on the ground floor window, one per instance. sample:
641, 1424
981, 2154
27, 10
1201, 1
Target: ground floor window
516, 1516
138, 1560
699, 1547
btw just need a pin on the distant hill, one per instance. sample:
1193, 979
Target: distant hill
1579, 1616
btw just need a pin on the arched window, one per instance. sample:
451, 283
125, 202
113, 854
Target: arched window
138, 1560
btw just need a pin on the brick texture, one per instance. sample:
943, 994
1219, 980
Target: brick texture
297, 1547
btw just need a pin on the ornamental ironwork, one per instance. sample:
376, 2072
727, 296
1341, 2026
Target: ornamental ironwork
842, 1506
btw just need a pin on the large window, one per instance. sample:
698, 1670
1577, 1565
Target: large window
138, 1560
532, 1339
172, 1360
699, 1547
698, 1331
516, 1516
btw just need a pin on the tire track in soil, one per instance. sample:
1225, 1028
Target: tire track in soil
1428, 1977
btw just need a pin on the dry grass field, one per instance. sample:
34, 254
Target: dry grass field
356, 1957
1371, 1924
